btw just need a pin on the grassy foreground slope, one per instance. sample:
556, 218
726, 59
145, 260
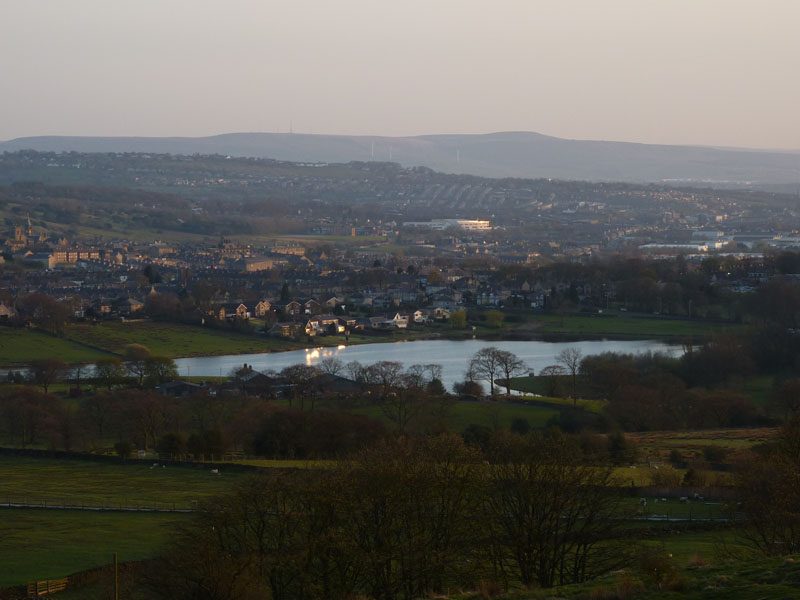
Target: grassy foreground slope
49, 544
764, 579
103, 483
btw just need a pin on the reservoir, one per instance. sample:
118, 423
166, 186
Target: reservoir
453, 356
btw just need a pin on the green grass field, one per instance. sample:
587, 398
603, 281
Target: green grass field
178, 340
459, 415
49, 544
172, 339
107, 484
691, 443
630, 325
52, 543
759, 579
497, 415
20, 346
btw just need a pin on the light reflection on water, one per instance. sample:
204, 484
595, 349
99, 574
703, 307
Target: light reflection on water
453, 356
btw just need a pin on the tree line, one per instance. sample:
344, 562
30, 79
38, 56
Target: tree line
406, 518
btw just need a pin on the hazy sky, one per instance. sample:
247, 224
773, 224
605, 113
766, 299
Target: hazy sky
718, 72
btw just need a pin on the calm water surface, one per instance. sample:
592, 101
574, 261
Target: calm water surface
453, 356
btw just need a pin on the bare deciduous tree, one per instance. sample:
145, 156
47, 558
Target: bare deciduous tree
552, 517
510, 366
46, 371
109, 372
331, 365
485, 364
570, 358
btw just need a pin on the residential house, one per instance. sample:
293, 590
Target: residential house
7, 312
233, 310
250, 382
312, 307
400, 321
129, 306
441, 314
333, 302
290, 309
178, 389
285, 329
348, 323
322, 324
262, 308
335, 385
381, 323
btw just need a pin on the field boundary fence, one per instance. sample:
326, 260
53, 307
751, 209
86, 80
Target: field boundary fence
37, 589
98, 505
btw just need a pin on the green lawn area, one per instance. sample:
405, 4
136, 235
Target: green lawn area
19, 346
595, 406
173, 339
539, 385
707, 544
626, 324
49, 544
98, 483
497, 415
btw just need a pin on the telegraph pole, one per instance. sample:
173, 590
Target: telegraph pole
116, 576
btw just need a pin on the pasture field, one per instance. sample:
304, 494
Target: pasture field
173, 339
695, 555
52, 543
20, 346
691, 443
267, 463
758, 579
458, 415
95, 483
673, 508
497, 415
49, 544
631, 325
525, 384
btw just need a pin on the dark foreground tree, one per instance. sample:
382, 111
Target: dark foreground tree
769, 492
408, 518
553, 520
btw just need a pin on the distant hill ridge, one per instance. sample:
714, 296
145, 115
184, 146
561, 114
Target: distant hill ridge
507, 154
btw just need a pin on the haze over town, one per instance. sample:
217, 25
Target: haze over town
717, 72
